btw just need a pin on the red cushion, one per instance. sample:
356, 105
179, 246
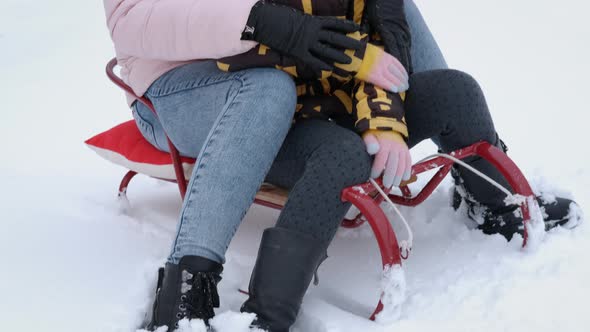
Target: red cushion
124, 145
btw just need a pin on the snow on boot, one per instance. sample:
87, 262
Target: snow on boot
485, 203
186, 290
286, 263
509, 221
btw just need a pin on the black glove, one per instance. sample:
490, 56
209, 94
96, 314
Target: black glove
317, 41
388, 19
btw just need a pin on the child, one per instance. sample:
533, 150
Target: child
323, 152
366, 93
446, 106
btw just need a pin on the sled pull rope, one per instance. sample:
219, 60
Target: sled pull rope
406, 245
478, 173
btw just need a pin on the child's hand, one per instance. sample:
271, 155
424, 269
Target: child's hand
392, 155
383, 70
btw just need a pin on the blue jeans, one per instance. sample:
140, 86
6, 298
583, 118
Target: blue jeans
426, 54
234, 124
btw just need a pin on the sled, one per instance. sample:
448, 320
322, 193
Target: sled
365, 196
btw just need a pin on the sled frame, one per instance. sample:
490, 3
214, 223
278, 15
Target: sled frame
363, 196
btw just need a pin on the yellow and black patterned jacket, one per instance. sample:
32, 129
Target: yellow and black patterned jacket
337, 93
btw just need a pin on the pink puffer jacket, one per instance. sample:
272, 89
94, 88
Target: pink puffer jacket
154, 36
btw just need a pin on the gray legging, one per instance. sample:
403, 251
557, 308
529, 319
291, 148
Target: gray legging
319, 158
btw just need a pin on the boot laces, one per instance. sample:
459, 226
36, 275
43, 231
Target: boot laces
198, 296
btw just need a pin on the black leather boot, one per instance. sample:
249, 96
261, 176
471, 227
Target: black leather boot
286, 263
186, 290
485, 203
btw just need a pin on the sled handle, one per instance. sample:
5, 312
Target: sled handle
174, 154
110, 70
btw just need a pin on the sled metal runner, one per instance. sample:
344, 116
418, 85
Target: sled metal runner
364, 196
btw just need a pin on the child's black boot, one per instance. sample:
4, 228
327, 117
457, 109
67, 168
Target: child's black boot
486, 206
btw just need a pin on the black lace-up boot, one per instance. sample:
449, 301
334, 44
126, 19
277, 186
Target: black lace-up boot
287, 261
485, 203
186, 290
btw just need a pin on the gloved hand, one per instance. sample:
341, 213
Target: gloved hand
383, 69
316, 41
388, 19
391, 155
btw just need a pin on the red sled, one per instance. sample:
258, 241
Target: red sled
364, 197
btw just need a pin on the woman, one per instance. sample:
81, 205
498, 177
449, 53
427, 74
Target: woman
235, 124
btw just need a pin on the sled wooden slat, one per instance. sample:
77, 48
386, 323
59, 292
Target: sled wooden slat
272, 194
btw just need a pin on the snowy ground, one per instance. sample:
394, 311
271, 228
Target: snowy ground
71, 262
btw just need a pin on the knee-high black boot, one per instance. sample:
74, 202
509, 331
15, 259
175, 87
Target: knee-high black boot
286, 263
485, 203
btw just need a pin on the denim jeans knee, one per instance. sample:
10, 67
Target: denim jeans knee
234, 124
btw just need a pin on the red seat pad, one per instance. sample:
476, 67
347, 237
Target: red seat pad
124, 145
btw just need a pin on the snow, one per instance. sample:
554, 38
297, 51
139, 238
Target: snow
226, 321
72, 262
393, 289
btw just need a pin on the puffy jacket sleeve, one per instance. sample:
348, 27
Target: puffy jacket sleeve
377, 109
387, 18
178, 30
